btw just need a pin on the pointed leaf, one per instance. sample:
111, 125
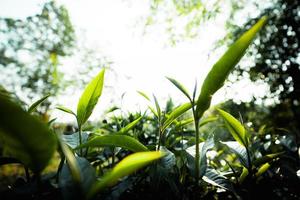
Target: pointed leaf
203, 148
126, 167
158, 110
214, 178
123, 141
129, 126
266, 158
180, 87
243, 175
236, 129
238, 150
175, 114
67, 110
262, 169
220, 70
37, 103
144, 95
24, 137
89, 98
207, 120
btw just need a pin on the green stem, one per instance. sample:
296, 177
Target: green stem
197, 155
159, 139
80, 139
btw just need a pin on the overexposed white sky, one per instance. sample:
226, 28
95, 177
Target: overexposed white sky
141, 61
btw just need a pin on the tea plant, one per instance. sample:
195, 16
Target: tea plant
93, 160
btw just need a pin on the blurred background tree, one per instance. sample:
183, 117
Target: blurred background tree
30, 51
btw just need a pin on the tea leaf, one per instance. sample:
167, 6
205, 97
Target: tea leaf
175, 114
243, 175
266, 158
236, 129
67, 110
207, 120
158, 110
129, 126
214, 178
180, 87
24, 137
126, 167
123, 141
37, 103
220, 70
71, 161
238, 150
144, 95
89, 98
262, 169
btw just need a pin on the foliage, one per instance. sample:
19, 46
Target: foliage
276, 55
31, 48
158, 155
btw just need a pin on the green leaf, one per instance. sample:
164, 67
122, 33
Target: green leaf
262, 169
243, 175
184, 123
67, 110
144, 95
207, 120
203, 148
175, 114
214, 178
158, 110
126, 167
71, 161
266, 158
220, 70
123, 141
24, 137
238, 150
180, 87
129, 126
89, 98
37, 103
236, 129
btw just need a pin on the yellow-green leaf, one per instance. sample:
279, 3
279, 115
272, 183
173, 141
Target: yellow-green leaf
89, 98
175, 114
37, 103
236, 129
123, 141
126, 167
220, 70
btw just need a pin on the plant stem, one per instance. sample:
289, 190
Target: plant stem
160, 138
80, 140
197, 156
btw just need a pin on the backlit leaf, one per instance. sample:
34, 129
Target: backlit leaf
236, 129
37, 103
89, 98
220, 70
123, 141
126, 167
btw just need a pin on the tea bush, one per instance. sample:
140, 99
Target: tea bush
159, 155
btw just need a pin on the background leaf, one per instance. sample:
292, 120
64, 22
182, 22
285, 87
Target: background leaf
37, 103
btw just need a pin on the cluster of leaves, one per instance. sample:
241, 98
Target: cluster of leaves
93, 162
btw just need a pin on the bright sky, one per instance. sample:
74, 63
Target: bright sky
141, 61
